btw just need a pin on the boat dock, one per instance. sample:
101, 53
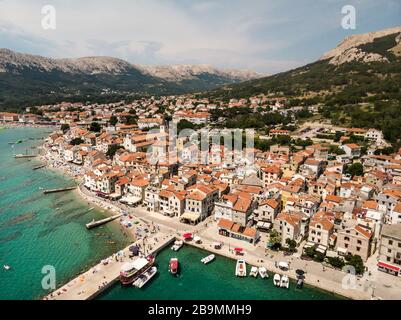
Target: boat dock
22, 156
98, 223
96, 280
58, 190
39, 167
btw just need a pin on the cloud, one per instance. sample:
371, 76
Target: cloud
268, 36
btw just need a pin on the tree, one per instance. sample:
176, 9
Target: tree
112, 150
95, 127
291, 244
113, 120
357, 262
275, 239
355, 169
336, 262
319, 257
65, 127
76, 141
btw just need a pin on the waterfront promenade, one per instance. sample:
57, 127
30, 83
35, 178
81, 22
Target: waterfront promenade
100, 277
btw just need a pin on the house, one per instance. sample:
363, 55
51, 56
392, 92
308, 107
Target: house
288, 225
268, 210
396, 214
356, 240
270, 174
236, 207
151, 199
321, 228
147, 123
274, 133
390, 249
199, 203
375, 135
228, 228
172, 202
352, 150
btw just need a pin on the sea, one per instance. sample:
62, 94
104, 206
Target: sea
38, 231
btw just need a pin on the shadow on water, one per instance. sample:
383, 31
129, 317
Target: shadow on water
11, 237
18, 219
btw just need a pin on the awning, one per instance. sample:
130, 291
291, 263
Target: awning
342, 250
239, 249
131, 200
263, 225
197, 239
388, 266
190, 216
321, 249
283, 265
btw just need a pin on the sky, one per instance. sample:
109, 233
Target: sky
267, 36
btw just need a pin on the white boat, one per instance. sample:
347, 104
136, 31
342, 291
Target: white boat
263, 272
177, 245
208, 259
7, 267
285, 282
277, 280
240, 268
145, 277
254, 272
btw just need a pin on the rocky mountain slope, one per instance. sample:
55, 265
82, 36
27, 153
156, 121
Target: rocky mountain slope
26, 78
361, 68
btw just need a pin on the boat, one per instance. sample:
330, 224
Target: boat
7, 267
263, 272
277, 280
240, 268
145, 277
254, 272
131, 270
300, 283
208, 259
285, 282
173, 266
177, 245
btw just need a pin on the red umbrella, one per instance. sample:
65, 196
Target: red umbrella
187, 236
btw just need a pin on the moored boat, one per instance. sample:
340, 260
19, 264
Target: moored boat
240, 268
254, 272
131, 270
277, 280
177, 245
145, 277
208, 259
285, 282
173, 266
300, 283
7, 267
263, 272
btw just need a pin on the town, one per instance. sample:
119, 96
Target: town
306, 187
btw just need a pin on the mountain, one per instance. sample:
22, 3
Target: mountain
361, 68
27, 79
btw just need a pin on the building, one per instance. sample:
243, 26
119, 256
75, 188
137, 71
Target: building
390, 249
355, 240
230, 229
288, 225
352, 150
234, 207
321, 228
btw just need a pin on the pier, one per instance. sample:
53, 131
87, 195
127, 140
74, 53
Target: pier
22, 156
96, 280
39, 167
59, 190
98, 223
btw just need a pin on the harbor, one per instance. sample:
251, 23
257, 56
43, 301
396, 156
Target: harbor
98, 223
104, 275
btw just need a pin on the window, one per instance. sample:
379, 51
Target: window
359, 242
390, 242
346, 245
389, 250
358, 248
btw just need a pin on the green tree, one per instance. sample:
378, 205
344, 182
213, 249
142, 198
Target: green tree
355, 169
336, 262
113, 120
112, 150
275, 239
95, 127
65, 127
76, 141
291, 244
357, 262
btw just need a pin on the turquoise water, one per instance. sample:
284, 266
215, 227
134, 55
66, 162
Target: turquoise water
38, 230
214, 281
